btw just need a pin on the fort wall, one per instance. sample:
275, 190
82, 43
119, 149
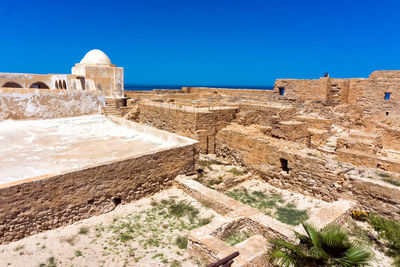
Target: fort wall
42, 203
20, 103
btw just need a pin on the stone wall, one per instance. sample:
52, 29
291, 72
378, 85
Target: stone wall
43, 203
369, 96
266, 114
224, 91
302, 89
201, 124
304, 172
22, 103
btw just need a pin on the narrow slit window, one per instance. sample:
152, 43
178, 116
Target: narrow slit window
284, 165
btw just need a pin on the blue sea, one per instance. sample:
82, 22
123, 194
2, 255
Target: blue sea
133, 87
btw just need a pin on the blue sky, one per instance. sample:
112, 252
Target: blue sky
204, 42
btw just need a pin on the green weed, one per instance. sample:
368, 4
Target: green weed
78, 253
391, 181
181, 242
208, 163
290, 215
389, 230
237, 172
237, 237
83, 230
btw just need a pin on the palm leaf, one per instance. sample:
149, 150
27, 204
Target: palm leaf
354, 256
334, 241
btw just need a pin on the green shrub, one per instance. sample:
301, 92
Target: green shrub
83, 230
389, 230
78, 253
181, 242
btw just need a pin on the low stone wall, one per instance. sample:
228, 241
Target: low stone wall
305, 173
361, 158
201, 124
22, 103
42, 203
225, 91
207, 242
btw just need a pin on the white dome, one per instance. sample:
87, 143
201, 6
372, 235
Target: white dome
96, 56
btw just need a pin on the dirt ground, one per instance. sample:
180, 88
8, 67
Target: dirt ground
149, 232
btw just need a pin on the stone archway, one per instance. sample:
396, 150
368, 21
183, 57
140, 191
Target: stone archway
12, 85
39, 85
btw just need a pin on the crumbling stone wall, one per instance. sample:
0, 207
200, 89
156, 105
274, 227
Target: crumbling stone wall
304, 173
44, 203
369, 96
19, 104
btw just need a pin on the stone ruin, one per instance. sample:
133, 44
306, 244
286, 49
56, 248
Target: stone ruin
337, 140
331, 139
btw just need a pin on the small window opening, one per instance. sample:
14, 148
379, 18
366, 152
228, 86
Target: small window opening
387, 95
116, 200
90, 201
284, 165
387, 113
281, 91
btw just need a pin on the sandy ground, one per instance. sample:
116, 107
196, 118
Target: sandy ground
104, 241
32, 148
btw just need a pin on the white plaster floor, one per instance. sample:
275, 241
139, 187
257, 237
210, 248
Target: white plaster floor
33, 148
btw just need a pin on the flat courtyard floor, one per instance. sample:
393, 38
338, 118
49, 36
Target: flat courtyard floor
33, 148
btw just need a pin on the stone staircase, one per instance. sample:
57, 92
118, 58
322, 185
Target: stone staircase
112, 108
330, 145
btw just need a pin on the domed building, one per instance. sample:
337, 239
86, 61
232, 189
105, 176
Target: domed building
93, 73
100, 75
96, 57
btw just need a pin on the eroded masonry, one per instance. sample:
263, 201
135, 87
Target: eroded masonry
334, 141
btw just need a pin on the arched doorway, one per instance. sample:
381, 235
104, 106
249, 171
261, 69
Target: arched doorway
12, 85
39, 85
64, 84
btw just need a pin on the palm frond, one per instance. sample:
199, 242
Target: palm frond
334, 241
283, 244
355, 256
284, 258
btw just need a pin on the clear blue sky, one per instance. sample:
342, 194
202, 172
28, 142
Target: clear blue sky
204, 42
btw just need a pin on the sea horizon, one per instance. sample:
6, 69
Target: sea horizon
138, 87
